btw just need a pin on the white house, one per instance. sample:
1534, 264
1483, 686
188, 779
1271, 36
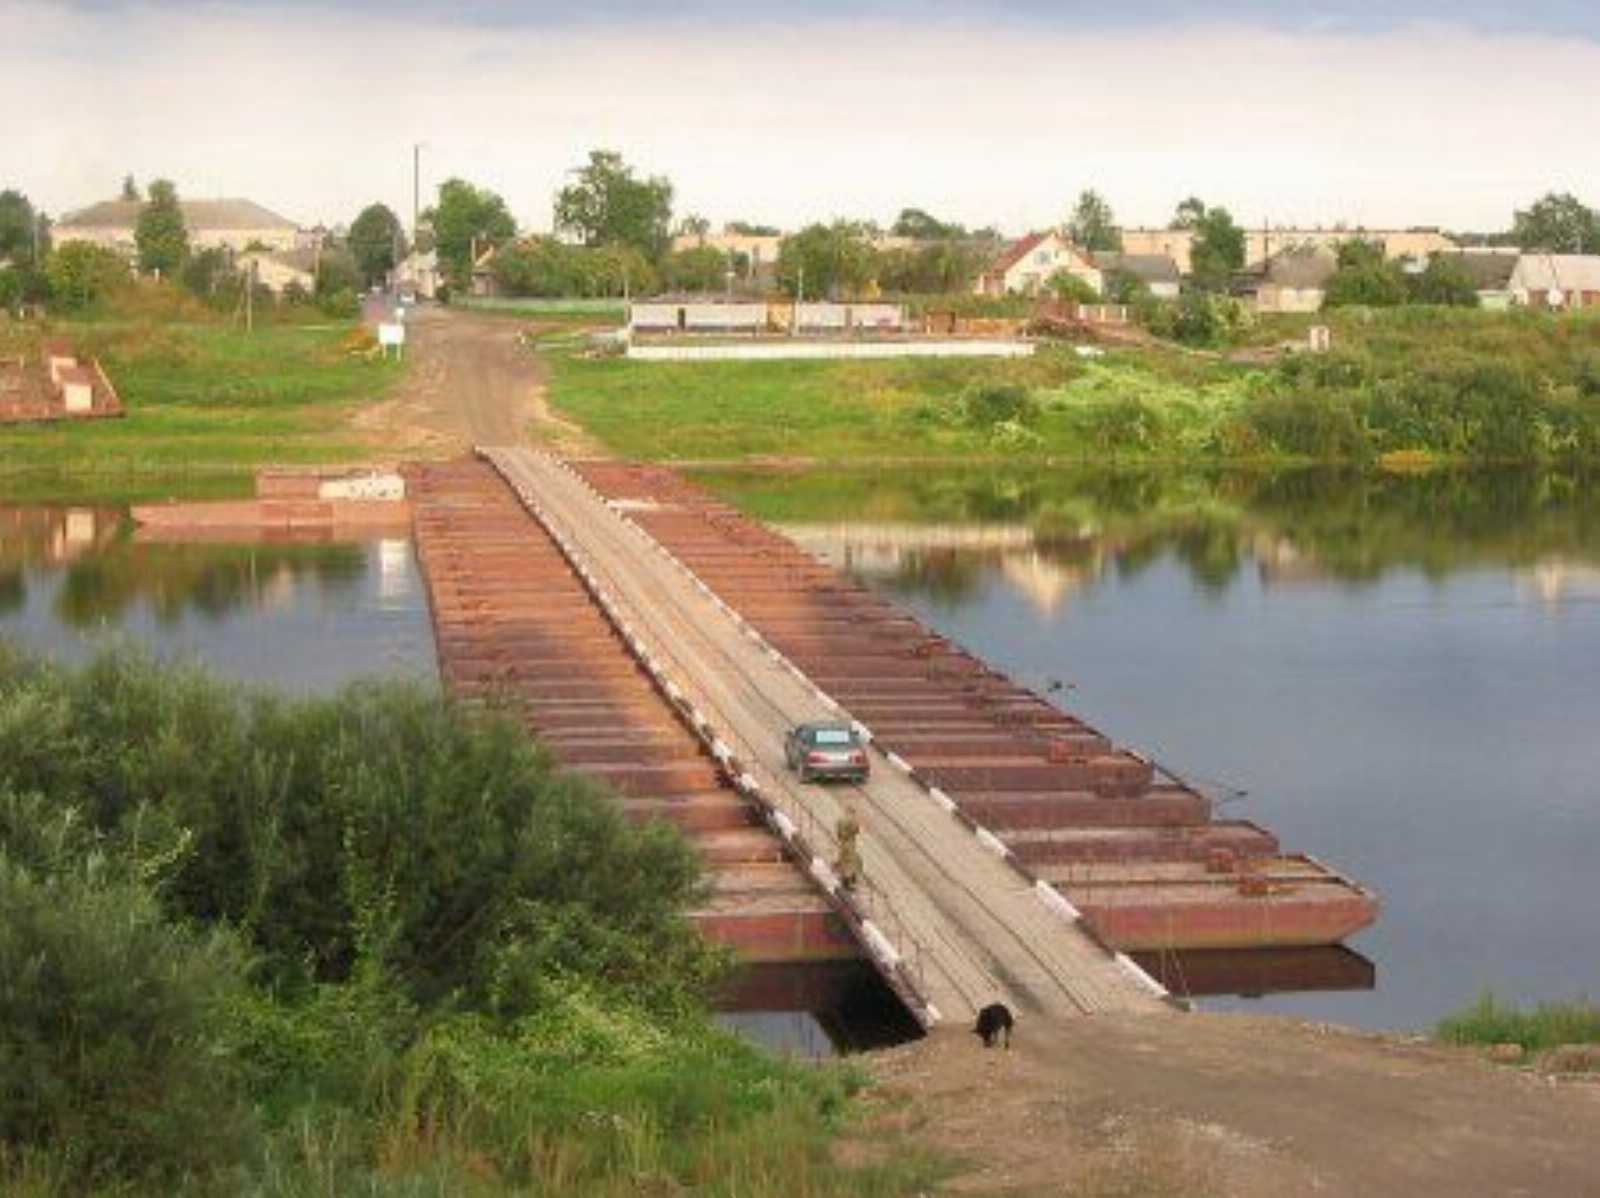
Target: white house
1556, 281
1027, 265
277, 270
236, 225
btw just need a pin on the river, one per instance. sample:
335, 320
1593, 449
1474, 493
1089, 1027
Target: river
1396, 675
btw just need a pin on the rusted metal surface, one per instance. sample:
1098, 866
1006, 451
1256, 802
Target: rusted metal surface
1057, 792
512, 622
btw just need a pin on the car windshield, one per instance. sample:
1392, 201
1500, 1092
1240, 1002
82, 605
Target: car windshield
831, 736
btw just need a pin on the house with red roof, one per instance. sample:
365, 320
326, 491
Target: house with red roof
1026, 266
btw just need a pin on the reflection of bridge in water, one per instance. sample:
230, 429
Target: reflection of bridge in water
889, 551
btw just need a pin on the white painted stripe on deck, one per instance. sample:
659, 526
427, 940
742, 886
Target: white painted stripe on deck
1140, 976
1056, 901
879, 943
991, 842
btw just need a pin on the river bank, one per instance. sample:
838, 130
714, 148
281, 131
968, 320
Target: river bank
1407, 387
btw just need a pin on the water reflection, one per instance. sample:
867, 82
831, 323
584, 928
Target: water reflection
302, 615
1051, 534
106, 570
1398, 670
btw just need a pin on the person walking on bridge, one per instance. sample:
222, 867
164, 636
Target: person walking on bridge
847, 865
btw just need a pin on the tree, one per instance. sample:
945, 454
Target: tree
1217, 250
160, 234
1122, 286
1446, 280
1093, 225
828, 260
1365, 276
1067, 286
1188, 214
209, 274
80, 273
466, 216
937, 267
130, 189
18, 224
376, 240
915, 223
1557, 224
700, 268
694, 225
608, 206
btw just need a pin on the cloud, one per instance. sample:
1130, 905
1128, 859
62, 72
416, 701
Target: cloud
788, 123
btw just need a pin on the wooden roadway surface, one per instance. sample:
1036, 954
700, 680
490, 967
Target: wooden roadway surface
971, 929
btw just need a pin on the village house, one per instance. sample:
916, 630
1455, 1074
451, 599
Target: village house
1027, 266
237, 225
1264, 243
1293, 280
1158, 272
755, 253
278, 270
1556, 281
418, 274
1490, 272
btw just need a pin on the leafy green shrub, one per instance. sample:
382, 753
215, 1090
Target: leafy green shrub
110, 1022
340, 304
987, 405
449, 845
1308, 424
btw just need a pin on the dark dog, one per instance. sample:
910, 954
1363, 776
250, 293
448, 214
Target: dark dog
994, 1022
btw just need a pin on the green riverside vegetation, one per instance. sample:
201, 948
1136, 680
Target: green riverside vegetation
1490, 1021
370, 944
1414, 384
201, 395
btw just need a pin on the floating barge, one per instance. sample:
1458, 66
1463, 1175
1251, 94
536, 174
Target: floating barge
513, 623
1136, 850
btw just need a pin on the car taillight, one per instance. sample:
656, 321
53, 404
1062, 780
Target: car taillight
815, 758
858, 758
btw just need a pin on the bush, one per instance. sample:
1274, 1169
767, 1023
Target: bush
448, 844
111, 1021
340, 305
987, 405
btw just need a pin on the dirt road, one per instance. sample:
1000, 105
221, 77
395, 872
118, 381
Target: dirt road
469, 383
1231, 1105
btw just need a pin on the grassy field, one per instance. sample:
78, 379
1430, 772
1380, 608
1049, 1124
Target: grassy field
201, 399
1418, 386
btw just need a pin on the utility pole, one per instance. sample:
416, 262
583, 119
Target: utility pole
799, 298
416, 190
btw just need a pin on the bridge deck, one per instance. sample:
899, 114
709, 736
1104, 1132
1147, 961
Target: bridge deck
971, 929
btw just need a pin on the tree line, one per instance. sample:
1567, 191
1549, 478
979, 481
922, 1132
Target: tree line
614, 234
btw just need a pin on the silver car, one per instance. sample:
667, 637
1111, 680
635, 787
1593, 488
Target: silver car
826, 750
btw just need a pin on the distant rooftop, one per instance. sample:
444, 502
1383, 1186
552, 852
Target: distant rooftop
198, 215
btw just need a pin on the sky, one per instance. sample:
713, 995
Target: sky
1414, 112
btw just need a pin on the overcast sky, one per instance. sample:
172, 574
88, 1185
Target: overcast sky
999, 112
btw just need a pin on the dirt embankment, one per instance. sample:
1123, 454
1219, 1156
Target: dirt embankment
1228, 1105
470, 382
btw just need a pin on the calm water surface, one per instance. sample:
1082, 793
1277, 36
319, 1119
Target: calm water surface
302, 618
1403, 675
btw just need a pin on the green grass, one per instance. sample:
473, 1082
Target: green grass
610, 310
824, 410
201, 398
1545, 1026
1424, 385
